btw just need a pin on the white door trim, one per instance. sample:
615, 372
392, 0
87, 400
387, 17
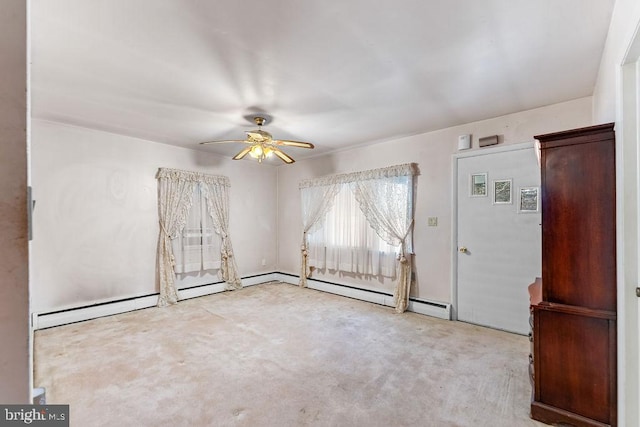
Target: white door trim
628, 230
454, 209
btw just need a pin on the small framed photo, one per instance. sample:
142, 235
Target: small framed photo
502, 192
529, 200
478, 185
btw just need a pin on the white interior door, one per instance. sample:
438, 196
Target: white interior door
499, 245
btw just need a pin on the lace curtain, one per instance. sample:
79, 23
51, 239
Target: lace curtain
175, 199
346, 242
316, 202
217, 197
385, 197
174, 202
388, 205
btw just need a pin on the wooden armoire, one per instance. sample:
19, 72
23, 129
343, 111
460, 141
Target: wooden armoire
574, 323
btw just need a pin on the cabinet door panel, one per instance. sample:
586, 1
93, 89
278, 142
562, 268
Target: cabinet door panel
578, 215
575, 360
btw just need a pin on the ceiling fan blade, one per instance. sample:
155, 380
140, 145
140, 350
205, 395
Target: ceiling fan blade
293, 143
242, 153
283, 156
225, 141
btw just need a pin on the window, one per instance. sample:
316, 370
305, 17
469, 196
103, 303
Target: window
333, 231
346, 242
197, 247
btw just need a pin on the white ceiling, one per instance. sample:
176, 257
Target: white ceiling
335, 73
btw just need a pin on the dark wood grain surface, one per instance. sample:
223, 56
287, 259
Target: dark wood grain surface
574, 312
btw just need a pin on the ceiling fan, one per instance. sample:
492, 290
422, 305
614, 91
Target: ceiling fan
262, 144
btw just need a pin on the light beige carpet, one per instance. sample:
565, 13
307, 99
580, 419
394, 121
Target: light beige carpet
278, 355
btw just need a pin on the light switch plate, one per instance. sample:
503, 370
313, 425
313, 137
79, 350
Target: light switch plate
432, 221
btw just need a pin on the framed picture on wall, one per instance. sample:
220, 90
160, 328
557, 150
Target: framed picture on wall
478, 185
502, 192
528, 199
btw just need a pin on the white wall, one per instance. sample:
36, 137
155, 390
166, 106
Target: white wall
96, 223
14, 253
624, 22
608, 107
433, 153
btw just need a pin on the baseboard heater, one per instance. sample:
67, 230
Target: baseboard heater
107, 308
430, 308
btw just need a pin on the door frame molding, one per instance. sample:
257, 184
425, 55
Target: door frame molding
454, 207
628, 229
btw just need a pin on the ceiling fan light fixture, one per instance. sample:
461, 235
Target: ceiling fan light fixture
263, 145
257, 152
260, 152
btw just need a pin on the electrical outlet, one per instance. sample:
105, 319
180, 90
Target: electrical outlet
264, 262
432, 221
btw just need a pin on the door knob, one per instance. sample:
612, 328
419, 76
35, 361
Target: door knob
463, 250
